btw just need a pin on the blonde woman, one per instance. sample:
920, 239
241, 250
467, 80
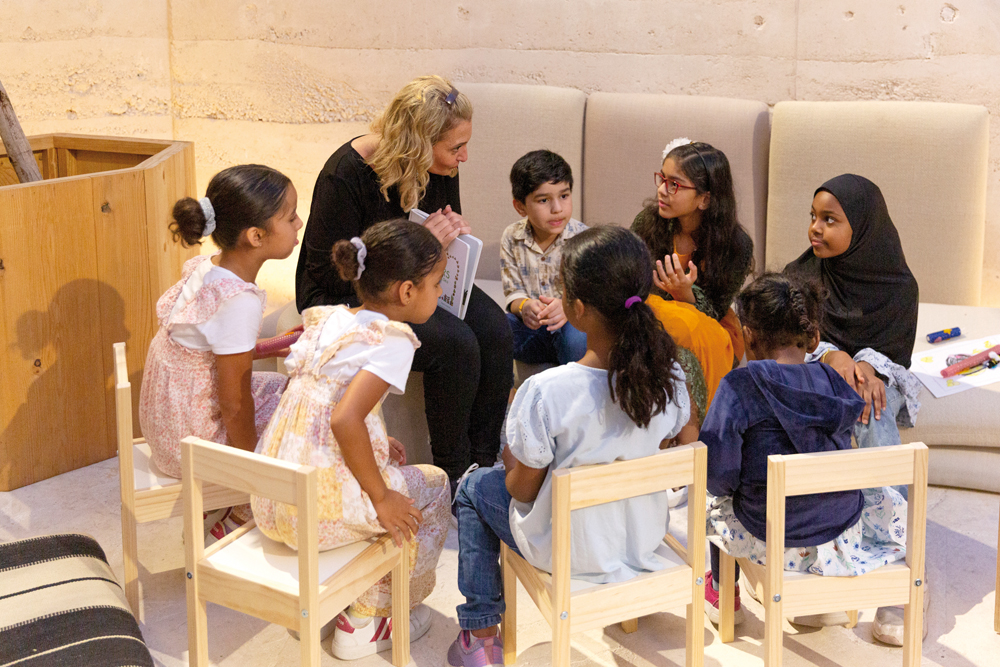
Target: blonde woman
410, 160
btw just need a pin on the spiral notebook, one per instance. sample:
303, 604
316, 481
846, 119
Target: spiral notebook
460, 272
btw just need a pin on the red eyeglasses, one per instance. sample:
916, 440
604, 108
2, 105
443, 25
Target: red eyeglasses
672, 185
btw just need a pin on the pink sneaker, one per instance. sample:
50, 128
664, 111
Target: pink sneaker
712, 602
469, 651
351, 642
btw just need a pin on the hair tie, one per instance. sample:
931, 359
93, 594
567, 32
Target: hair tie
631, 301
452, 96
209, 211
676, 143
362, 253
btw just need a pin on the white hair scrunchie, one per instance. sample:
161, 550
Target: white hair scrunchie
679, 141
362, 254
209, 210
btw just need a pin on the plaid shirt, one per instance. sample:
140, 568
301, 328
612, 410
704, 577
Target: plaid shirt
527, 271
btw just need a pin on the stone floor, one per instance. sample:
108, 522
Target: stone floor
961, 561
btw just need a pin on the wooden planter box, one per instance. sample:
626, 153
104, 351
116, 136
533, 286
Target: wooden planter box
84, 255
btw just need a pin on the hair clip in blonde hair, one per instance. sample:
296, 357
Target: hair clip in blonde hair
452, 96
209, 211
676, 143
362, 254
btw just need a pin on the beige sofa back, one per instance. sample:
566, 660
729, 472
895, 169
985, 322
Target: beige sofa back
930, 161
508, 121
624, 138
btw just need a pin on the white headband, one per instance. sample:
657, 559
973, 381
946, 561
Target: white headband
209, 210
362, 253
680, 141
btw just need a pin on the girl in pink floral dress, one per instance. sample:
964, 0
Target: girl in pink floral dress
198, 378
340, 370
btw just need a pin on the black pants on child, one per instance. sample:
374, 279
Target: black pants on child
715, 554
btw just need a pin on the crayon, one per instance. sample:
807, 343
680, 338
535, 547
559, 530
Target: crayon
944, 334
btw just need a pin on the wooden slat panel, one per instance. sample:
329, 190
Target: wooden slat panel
646, 594
853, 469
65, 162
886, 586
55, 412
86, 142
169, 179
594, 485
126, 312
92, 162
243, 471
269, 603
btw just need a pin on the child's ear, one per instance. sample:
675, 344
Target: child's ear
521, 209
253, 236
748, 343
579, 308
704, 201
406, 291
814, 343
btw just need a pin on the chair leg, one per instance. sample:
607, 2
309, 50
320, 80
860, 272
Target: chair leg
197, 627
695, 625
309, 639
727, 597
130, 561
630, 626
560, 642
508, 622
401, 608
773, 618
852, 617
913, 627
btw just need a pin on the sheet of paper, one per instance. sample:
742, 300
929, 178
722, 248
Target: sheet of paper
927, 366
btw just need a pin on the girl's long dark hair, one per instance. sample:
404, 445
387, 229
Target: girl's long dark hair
604, 267
724, 254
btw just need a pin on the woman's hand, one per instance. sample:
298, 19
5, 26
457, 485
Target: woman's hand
530, 313
446, 225
397, 515
669, 276
871, 388
457, 220
844, 364
397, 452
552, 315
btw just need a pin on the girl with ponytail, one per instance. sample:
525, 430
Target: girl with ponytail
626, 398
778, 404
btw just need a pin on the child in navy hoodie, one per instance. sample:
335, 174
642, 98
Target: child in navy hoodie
778, 404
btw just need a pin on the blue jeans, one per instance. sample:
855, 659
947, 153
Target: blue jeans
483, 522
539, 346
884, 431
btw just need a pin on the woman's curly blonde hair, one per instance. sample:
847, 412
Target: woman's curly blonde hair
418, 116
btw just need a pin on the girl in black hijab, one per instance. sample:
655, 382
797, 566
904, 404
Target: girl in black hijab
870, 315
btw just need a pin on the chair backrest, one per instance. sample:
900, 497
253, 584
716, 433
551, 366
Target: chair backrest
280, 481
624, 136
512, 119
823, 472
929, 159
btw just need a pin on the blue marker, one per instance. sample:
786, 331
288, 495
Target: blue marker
944, 334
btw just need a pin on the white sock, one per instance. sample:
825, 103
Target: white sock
358, 621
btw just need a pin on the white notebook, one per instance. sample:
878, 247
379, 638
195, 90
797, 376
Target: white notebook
460, 271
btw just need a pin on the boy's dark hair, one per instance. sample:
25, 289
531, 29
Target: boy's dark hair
537, 168
244, 196
396, 250
604, 267
781, 310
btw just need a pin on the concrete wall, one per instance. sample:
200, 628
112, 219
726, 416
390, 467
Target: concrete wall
285, 83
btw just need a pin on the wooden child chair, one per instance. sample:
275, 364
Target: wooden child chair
798, 593
572, 605
251, 573
146, 493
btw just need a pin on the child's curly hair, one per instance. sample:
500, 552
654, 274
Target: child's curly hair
781, 311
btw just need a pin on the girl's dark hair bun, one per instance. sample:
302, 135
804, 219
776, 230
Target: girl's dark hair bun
781, 310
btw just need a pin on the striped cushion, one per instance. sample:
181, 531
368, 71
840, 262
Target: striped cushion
61, 605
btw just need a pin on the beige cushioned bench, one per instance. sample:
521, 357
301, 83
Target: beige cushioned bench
930, 161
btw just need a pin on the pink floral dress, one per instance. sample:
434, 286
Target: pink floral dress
300, 433
180, 386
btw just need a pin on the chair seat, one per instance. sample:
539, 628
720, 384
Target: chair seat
269, 562
147, 475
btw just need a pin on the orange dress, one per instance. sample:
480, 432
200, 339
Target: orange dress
729, 322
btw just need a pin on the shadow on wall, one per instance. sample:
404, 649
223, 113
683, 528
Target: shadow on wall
61, 384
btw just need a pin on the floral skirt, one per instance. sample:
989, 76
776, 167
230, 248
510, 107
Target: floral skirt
878, 538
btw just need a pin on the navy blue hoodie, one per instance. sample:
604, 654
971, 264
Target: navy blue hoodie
771, 408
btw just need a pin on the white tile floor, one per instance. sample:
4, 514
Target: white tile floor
961, 562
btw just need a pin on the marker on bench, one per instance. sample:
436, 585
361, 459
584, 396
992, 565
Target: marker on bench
944, 334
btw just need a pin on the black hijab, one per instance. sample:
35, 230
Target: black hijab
873, 296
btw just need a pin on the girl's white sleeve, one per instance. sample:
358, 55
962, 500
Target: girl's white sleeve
529, 431
234, 327
392, 359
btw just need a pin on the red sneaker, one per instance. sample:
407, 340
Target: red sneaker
712, 602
